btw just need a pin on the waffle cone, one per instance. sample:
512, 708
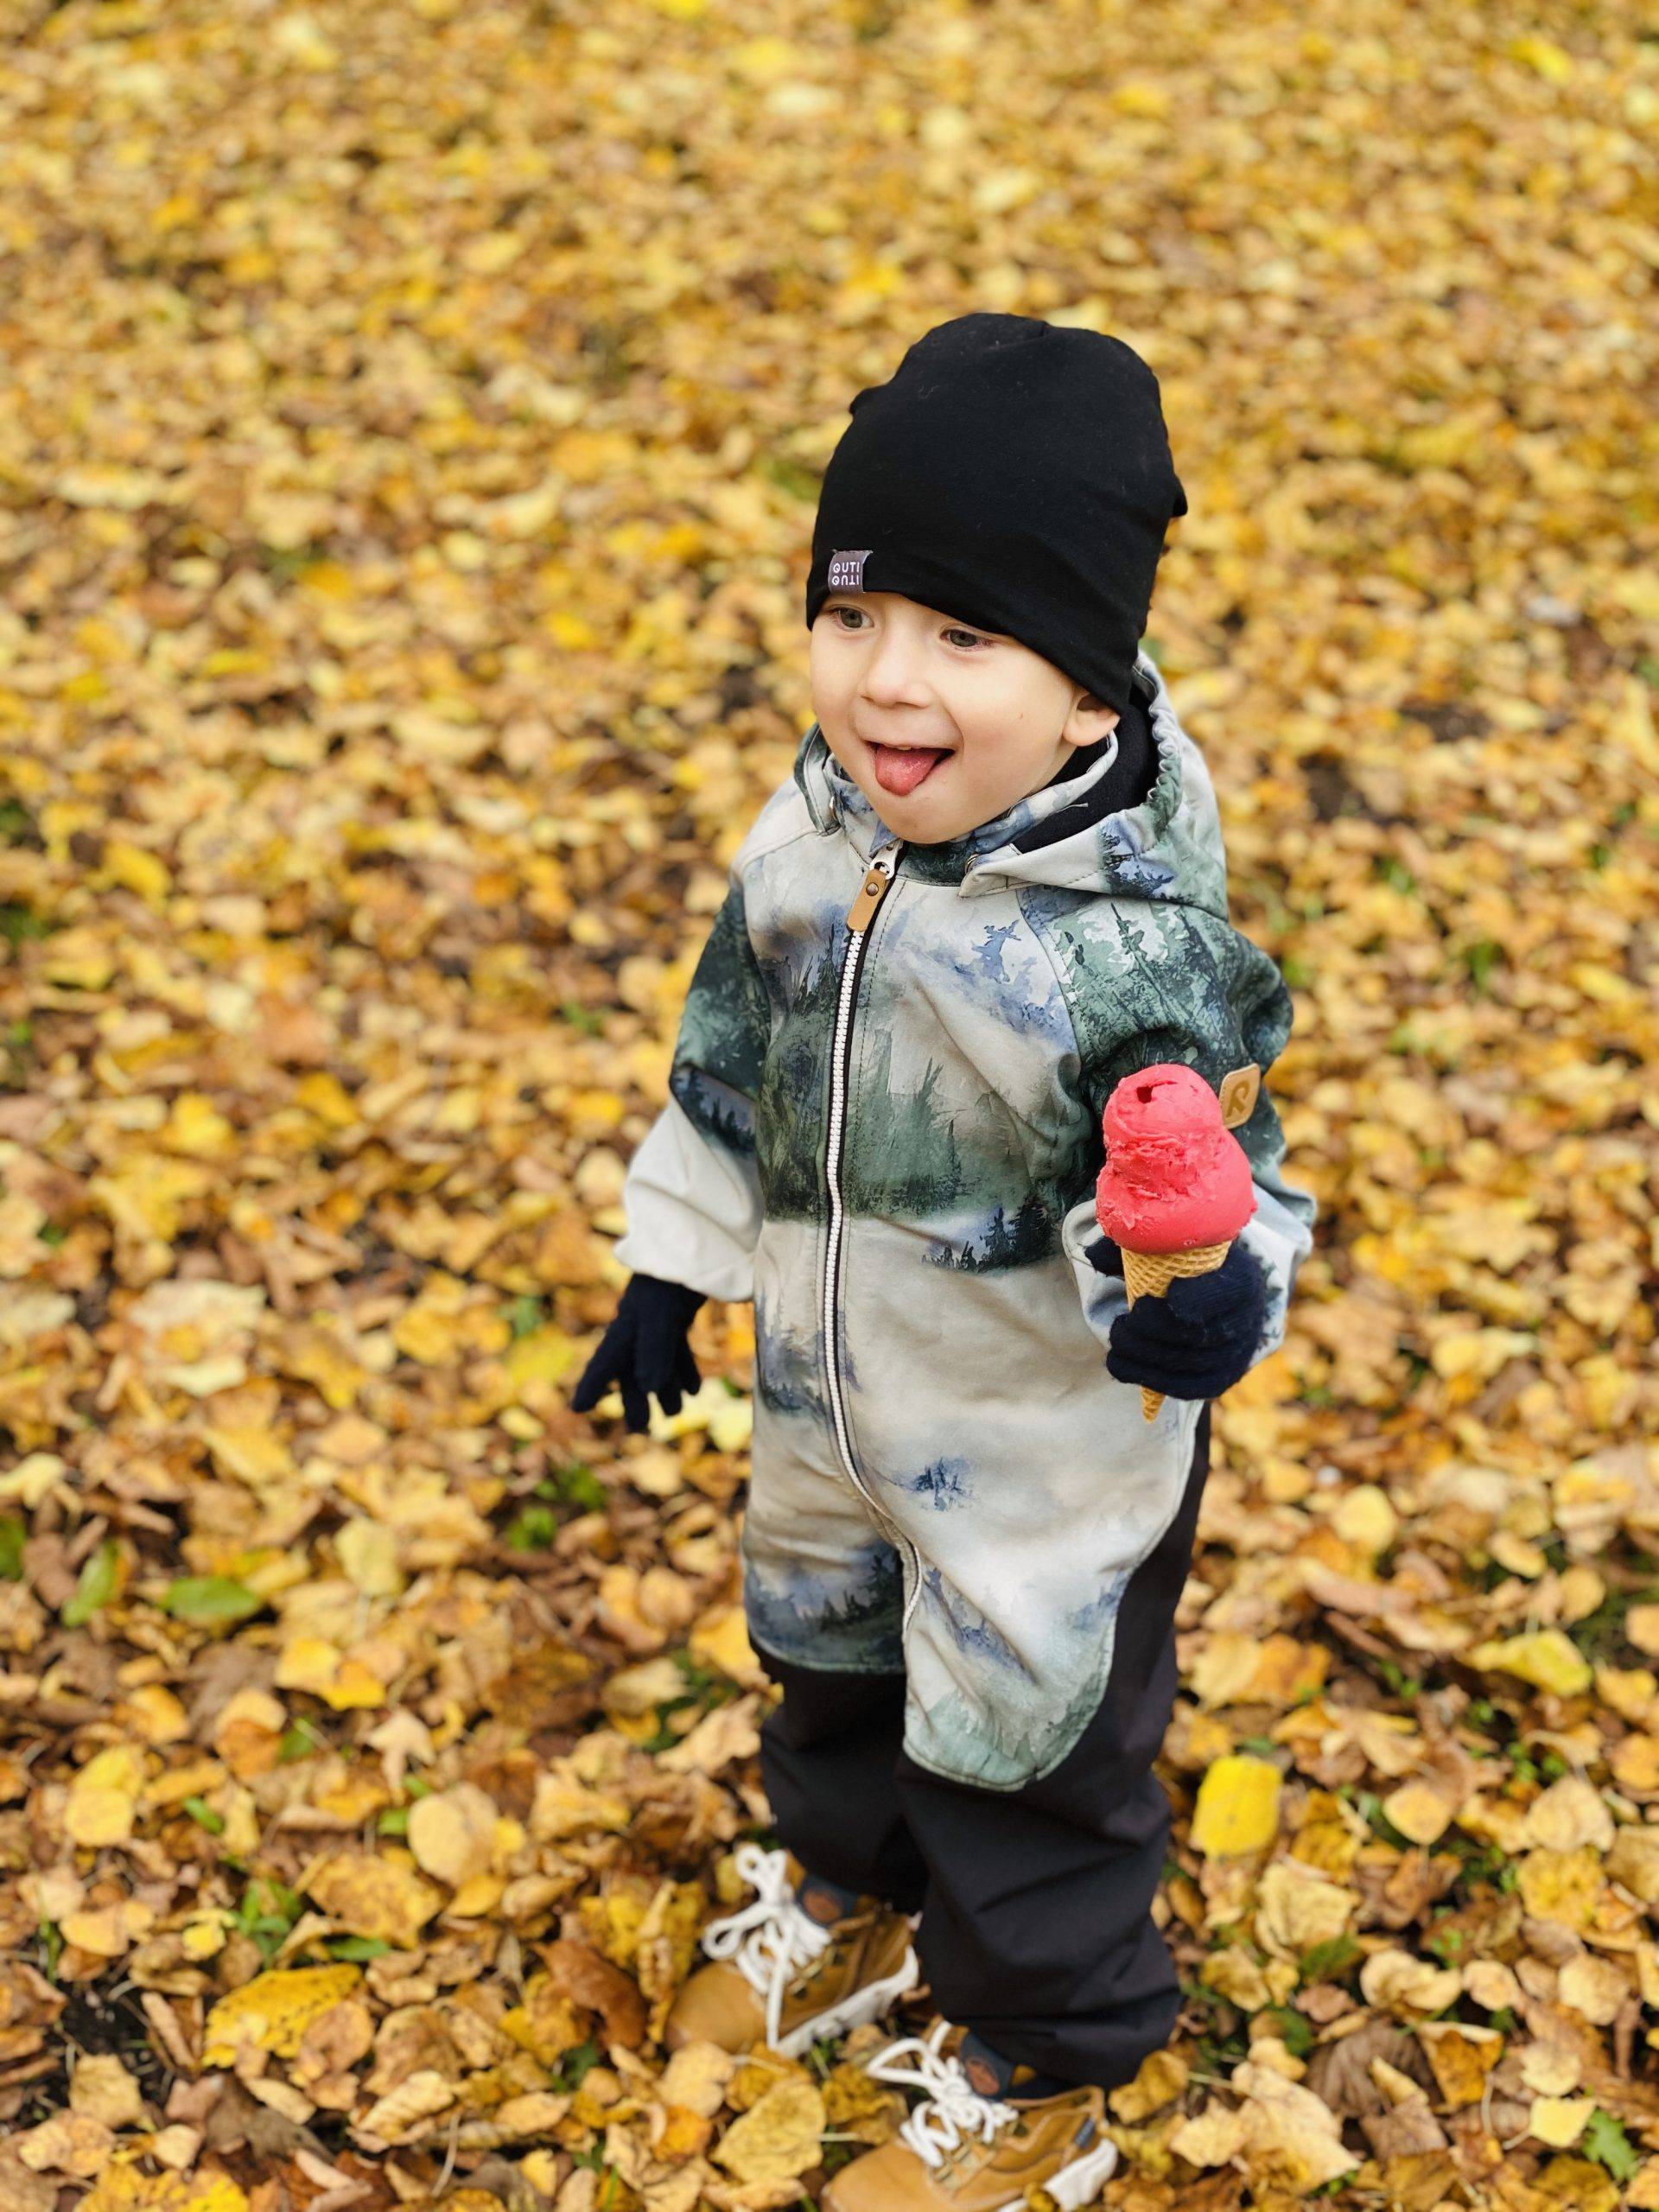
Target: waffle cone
1148, 1274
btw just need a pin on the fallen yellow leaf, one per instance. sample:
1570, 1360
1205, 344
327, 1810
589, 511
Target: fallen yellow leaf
273, 2011
1237, 1808
777, 2139
1547, 1658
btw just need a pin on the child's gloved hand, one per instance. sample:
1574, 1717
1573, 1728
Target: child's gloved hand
1200, 1336
643, 1350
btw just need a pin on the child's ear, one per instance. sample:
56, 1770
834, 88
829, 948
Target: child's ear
1090, 721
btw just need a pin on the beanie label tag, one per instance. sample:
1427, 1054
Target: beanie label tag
847, 570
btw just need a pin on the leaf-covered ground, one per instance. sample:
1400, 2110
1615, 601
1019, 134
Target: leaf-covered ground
409, 426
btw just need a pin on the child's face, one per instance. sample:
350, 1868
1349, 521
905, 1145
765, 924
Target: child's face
987, 720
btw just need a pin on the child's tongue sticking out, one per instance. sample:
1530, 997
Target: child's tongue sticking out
901, 772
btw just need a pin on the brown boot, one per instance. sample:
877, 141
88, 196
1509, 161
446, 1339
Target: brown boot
960, 2151
783, 1979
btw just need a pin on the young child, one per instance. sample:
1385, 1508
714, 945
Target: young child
994, 886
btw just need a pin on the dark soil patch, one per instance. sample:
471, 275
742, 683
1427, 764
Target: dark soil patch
96, 2021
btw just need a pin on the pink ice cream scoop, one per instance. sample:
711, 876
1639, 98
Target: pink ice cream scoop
1175, 1174
1177, 1186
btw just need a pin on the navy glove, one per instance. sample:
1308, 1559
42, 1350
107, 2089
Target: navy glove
1200, 1336
643, 1350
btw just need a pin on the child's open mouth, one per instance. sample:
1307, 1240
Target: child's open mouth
900, 769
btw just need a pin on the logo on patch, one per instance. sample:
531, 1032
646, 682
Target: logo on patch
847, 570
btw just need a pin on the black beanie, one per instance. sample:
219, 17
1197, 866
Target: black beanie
1016, 474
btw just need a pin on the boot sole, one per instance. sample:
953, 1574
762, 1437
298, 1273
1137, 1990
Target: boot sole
1075, 2185
866, 2004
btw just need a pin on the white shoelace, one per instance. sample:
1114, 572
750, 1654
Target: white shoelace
772, 1941
954, 2110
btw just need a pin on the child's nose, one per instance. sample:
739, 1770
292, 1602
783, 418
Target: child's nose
893, 676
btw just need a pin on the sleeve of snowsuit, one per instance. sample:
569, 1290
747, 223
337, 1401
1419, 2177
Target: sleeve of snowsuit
692, 1195
1227, 1005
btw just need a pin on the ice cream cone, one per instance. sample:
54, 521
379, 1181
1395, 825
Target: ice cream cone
1148, 1274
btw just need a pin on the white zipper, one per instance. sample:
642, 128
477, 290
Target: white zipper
860, 921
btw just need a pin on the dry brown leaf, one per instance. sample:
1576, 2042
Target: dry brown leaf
452, 1833
582, 1977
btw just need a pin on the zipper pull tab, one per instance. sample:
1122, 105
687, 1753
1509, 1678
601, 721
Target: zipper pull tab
873, 890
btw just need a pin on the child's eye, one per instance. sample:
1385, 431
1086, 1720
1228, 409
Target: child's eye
836, 611
972, 636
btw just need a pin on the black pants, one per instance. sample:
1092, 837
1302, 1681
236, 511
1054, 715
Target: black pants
1036, 1926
